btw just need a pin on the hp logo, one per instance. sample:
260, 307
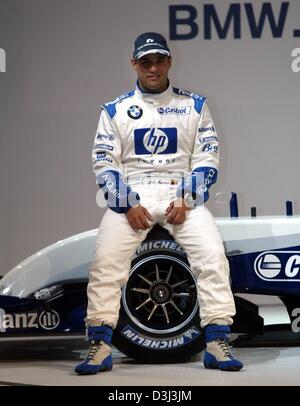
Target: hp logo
151, 141
156, 141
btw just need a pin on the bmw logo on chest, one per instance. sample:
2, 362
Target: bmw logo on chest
135, 112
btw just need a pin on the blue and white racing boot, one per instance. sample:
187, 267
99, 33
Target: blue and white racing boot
218, 354
99, 357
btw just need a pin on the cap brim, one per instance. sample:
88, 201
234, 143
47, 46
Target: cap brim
152, 51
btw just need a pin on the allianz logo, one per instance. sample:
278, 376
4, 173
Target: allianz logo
47, 320
278, 266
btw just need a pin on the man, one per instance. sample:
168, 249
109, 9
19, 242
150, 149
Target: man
155, 157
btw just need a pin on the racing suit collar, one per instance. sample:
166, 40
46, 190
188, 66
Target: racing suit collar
153, 97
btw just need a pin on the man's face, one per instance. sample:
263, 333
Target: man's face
152, 71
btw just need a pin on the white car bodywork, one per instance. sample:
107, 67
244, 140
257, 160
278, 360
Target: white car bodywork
68, 259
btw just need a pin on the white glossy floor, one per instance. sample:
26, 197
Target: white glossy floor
41, 363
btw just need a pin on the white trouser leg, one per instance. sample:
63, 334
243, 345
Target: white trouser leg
117, 242
201, 240
115, 245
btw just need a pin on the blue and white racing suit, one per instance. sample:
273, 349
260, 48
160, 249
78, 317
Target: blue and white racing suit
148, 150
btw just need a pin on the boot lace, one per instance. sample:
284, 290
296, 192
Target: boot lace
94, 347
224, 347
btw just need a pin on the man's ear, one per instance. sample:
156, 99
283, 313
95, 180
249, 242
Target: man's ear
133, 63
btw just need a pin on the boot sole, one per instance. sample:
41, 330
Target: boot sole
229, 369
94, 373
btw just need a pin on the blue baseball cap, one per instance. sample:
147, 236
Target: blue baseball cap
150, 43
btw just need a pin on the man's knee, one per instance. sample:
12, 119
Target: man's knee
215, 254
213, 259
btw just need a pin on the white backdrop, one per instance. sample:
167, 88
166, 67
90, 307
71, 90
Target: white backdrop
66, 57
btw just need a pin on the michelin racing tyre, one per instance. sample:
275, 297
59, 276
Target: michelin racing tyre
159, 315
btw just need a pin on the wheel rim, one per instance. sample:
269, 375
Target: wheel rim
160, 296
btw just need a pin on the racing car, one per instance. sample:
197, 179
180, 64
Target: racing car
45, 295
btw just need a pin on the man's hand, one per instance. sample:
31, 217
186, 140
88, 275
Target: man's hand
176, 212
137, 218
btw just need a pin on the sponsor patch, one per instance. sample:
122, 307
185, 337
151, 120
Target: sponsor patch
101, 154
210, 148
204, 129
105, 137
135, 112
103, 160
104, 146
187, 93
148, 141
174, 110
202, 140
